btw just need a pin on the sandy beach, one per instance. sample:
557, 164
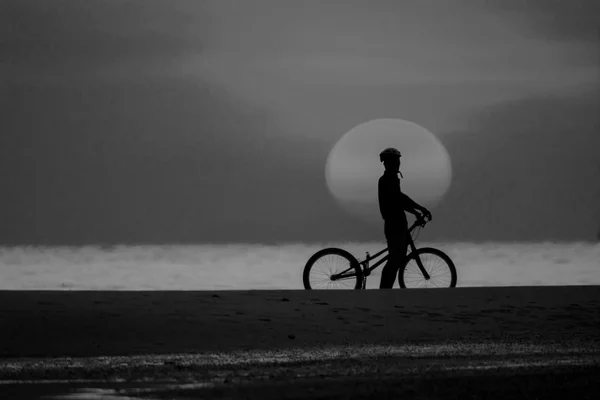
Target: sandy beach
93, 323
165, 335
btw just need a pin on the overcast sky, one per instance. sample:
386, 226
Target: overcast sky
210, 121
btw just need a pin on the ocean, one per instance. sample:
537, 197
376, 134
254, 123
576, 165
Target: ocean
255, 266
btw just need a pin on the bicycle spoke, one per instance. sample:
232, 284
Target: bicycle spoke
325, 273
440, 274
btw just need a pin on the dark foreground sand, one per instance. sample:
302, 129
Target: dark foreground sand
507, 342
74, 323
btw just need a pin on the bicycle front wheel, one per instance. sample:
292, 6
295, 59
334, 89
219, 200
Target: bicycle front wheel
439, 267
332, 269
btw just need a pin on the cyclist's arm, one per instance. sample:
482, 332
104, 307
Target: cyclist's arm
411, 206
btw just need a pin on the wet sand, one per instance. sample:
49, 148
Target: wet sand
494, 376
305, 343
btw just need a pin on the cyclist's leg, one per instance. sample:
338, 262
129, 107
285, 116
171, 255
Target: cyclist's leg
397, 246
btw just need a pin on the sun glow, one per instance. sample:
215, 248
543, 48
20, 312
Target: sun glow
353, 168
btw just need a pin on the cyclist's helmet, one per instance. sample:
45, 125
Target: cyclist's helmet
388, 153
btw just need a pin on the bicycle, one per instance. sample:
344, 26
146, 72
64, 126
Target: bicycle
355, 272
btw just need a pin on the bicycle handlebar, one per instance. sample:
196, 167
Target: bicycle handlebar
420, 221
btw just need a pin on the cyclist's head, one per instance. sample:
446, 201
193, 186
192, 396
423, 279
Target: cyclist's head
390, 154
390, 158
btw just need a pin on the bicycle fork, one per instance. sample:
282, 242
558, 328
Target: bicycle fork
414, 251
422, 268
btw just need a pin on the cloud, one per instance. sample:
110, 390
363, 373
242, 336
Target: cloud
166, 161
221, 125
331, 67
526, 169
376, 43
75, 37
569, 21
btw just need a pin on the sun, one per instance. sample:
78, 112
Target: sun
353, 168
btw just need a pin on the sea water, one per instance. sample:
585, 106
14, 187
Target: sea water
255, 266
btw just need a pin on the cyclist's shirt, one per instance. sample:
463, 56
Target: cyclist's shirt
390, 199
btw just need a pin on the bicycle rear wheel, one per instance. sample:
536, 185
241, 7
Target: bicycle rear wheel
441, 270
332, 268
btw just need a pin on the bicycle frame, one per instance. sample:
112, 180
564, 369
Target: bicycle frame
366, 269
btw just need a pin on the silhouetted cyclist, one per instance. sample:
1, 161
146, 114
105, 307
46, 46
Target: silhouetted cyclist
392, 204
